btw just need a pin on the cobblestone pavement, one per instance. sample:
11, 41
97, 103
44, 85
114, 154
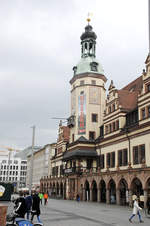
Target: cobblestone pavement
72, 213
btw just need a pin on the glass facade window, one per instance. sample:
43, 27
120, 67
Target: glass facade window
106, 128
89, 163
143, 113
108, 159
113, 159
148, 111
139, 154
94, 117
122, 157
113, 107
117, 124
102, 157
114, 126
91, 135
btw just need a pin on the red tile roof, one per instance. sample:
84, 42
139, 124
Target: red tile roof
128, 95
135, 85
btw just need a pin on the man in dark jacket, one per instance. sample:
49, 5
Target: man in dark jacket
36, 207
20, 206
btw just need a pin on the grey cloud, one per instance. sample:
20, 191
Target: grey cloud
40, 44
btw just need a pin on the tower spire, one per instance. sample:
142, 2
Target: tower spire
88, 41
88, 18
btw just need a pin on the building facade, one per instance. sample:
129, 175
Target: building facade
56, 163
12, 169
107, 157
40, 165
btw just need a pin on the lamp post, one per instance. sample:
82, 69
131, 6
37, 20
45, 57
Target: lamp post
31, 161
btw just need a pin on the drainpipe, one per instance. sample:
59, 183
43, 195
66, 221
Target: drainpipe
126, 131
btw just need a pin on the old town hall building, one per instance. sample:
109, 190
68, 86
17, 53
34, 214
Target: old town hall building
103, 154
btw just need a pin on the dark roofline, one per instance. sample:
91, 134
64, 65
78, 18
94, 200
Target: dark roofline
80, 153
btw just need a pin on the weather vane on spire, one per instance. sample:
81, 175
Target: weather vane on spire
88, 18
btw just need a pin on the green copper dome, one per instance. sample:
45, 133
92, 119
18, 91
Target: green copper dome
89, 64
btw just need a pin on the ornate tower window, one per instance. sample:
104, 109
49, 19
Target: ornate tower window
93, 66
93, 82
75, 69
81, 82
88, 42
94, 117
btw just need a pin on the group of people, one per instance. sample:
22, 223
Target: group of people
27, 204
45, 196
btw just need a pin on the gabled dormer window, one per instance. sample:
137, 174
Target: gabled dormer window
113, 107
94, 66
148, 87
148, 111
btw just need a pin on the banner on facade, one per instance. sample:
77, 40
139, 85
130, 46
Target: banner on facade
82, 114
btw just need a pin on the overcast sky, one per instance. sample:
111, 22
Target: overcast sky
40, 44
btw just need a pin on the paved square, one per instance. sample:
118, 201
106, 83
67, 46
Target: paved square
72, 213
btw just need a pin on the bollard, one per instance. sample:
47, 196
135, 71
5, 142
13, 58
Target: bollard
3, 212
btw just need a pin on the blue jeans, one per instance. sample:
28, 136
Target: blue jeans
133, 215
38, 218
28, 214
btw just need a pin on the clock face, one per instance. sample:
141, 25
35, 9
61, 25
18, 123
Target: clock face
94, 95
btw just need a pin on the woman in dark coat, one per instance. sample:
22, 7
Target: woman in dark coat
36, 207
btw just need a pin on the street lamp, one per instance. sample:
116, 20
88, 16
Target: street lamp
31, 161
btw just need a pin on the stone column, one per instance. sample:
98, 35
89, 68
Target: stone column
145, 198
130, 198
91, 195
99, 195
3, 212
59, 191
83, 191
117, 196
107, 196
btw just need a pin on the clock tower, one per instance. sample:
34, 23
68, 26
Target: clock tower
87, 91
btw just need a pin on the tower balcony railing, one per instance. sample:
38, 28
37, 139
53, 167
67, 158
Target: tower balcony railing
80, 170
71, 121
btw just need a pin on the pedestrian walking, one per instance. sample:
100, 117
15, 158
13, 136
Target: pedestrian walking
45, 198
28, 202
136, 210
36, 207
41, 197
